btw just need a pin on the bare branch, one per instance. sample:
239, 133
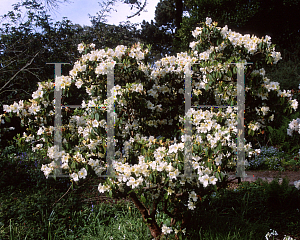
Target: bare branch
105, 8
53, 4
141, 9
27, 70
22, 69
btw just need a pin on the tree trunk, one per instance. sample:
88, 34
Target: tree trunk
178, 15
149, 219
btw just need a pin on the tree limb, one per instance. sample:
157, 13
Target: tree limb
141, 9
22, 69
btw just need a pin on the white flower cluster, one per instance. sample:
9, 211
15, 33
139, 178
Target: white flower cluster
285, 93
297, 184
274, 233
294, 126
169, 63
15, 108
48, 168
194, 197
168, 230
276, 56
53, 153
105, 67
137, 53
132, 176
81, 174
34, 108
105, 60
81, 47
294, 104
37, 94
78, 67
254, 126
237, 39
63, 82
37, 147
263, 110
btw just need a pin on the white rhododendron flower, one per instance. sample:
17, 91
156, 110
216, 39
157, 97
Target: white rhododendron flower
74, 177
166, 230
80, 47
294, 104
208, 21
297, 184
191, 205
82, 173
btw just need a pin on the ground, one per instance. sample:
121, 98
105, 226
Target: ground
267, 175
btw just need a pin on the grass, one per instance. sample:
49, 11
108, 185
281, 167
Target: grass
32, 207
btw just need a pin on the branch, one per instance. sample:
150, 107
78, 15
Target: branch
8, 65
22, 69
17, 90
141, 9
33, 74
149, 188
62, 196
144, 211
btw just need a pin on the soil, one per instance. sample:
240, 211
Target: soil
268, 175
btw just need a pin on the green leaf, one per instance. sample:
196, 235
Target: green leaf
151, 177
97, 116
143, 199
249, 132
73, 165
214, 168
209, 164
7, 119
196, 148
180, 156
234, 70
206, 152
213, 75
166, 196
270, 129
180, 166
143, 151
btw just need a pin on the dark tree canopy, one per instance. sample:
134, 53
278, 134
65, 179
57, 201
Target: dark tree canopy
276, 18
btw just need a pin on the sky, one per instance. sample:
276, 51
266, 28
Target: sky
77, 11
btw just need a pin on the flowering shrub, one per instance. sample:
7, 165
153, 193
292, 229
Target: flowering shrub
150, 101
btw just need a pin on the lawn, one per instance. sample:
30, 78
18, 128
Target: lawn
32, 207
